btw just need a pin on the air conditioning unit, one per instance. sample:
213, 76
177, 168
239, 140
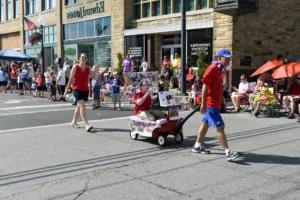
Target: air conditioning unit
236, 7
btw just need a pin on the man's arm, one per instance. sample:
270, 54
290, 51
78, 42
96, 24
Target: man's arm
203, 99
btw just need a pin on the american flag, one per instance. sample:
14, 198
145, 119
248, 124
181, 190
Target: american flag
30, 24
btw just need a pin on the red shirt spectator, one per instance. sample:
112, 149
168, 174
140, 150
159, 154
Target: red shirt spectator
295, 89
213, 79
81, 78
146, 105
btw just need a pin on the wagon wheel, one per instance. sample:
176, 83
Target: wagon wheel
161, 140
178, 137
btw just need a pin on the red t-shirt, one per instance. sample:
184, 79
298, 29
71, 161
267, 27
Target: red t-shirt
295, 89
145, 106
213, 79
81, 78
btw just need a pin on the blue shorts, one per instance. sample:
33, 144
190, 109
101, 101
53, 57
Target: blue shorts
213, 118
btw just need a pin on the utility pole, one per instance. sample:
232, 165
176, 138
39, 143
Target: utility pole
183, 47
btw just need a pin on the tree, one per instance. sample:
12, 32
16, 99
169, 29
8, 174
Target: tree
201, 64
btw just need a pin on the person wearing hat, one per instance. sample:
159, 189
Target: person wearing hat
212, 95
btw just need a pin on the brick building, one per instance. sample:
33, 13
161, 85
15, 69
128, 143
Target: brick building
151, 28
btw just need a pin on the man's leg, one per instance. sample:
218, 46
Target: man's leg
202, 132
198, 146
222, 137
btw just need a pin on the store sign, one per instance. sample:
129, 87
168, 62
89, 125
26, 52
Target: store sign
135, 52
195, 48
82, 12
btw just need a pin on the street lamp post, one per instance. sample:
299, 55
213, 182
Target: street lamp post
183, 47
42, 48
41, 22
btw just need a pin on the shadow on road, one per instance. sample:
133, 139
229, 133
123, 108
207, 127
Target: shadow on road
252, 158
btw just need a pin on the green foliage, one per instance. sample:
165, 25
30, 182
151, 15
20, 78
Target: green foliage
120, 62
201, 62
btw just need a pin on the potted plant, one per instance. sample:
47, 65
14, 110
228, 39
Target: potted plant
34, 38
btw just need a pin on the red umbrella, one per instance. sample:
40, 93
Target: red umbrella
288, 70
267, 66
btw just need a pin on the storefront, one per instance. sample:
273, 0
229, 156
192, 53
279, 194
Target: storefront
92, 37
50, 45
155, 46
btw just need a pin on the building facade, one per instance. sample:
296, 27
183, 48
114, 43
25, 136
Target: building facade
151, 29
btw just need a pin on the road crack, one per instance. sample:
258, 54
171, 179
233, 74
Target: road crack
86, 187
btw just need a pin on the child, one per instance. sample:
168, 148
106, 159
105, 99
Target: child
96, 86
192, 97
40, 83
115, 90
53, 87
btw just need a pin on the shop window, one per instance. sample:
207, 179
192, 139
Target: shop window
81, 30
177, 6
106, 26
8, 10
137, 11
89, 28
166, 7
146, 9
155, 8
202, 4
73, 31
67, 31
70, 51
103, 54
190, 5
16, 9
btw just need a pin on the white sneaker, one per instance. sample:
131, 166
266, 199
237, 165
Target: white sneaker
89, 128
232, 155
74, 125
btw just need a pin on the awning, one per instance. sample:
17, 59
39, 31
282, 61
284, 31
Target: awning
190, 25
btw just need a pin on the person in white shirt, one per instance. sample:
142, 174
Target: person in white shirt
48, 81
240, 92
61, 82
145, 65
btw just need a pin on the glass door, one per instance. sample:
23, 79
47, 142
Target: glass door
170, 50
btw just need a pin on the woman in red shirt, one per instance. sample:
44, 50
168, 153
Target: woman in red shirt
79, 79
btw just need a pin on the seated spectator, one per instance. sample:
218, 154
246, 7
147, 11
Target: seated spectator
240, 92
143, 104
290, 101
265, 96
255, 92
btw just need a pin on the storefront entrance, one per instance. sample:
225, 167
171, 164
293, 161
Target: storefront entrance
170, 50
89, 50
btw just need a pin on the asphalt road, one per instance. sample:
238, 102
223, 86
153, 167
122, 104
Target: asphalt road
57, 162
25, 111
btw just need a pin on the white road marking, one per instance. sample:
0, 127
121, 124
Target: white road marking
56, 125
38, 111
33, 107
